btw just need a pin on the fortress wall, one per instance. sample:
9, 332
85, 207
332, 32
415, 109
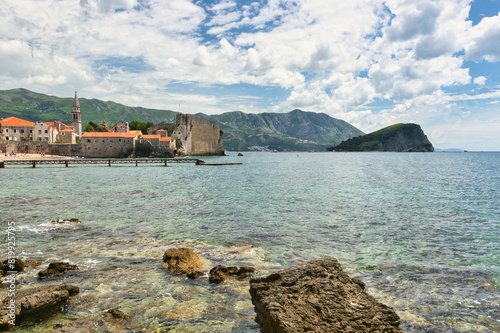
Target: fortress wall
66, 149
199, 137
205, 137
30, 147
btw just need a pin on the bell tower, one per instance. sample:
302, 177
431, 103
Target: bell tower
76, 121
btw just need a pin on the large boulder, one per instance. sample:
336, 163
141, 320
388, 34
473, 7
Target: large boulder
57, 269
318, 296
34, 303
181, 261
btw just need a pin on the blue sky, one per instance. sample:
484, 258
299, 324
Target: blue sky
372, 63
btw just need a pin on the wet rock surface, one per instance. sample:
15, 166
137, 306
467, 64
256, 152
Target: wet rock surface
318, 296
34, 303
112, 320
181, 261
221, 273
72, 220
57, 269
14, 265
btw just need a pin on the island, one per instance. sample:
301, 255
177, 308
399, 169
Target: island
394, 138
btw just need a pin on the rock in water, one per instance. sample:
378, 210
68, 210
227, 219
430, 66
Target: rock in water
218, 274
318, 296
182, 261
34, 303
14, 265
57, 269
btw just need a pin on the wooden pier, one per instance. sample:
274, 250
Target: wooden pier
111, 161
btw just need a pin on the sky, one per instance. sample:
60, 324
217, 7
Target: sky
372, 63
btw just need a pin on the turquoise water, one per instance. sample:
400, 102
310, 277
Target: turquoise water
421, 229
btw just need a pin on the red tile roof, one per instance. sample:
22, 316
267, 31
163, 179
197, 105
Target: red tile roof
130, 134
13, 121
151, 137
165, 138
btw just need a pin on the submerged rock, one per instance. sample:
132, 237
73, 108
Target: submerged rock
318, 296
72, 220
112, 320
34, 303
57, 269
181, 261
220, 273
32, 263
195, 274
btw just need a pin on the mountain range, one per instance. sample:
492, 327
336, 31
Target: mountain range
293, 131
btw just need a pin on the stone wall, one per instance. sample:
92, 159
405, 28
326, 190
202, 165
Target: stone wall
62, 149
107, 147
30, 147
197, 137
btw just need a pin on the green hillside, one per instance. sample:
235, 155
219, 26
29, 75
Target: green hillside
33, 106
398, 137
293, 131
297, 130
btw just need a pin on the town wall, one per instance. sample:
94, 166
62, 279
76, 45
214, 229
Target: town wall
197, 136
29, 147
62, 149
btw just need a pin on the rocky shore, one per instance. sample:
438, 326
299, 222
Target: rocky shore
316, 295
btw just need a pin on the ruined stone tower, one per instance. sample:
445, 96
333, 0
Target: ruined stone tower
76, 120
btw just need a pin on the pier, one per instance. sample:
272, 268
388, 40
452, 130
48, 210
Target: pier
110, 162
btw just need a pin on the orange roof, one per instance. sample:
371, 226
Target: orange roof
165, 138
160, 130
150, 137
49, 123
13, 121
68, 130
130, 134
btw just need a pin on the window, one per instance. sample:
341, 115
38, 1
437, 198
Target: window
15, 130
88, 140
39, 131
31, 131
46, 131
22, 131
63, 133
6, 130
119, 140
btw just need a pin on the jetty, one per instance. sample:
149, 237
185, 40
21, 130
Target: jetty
110, 162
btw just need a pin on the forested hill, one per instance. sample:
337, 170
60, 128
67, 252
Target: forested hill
296, 130
397, 138
293, 131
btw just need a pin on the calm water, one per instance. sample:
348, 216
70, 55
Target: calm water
421, 229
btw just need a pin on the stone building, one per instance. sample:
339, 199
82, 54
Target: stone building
43, 132
16, 129
195, 136
109, 144
67, 136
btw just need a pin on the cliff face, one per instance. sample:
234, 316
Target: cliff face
396, 138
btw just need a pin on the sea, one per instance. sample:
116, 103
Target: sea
422, 230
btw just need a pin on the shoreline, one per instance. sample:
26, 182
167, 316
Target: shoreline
18, 157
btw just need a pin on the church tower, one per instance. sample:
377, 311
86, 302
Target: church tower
76, 117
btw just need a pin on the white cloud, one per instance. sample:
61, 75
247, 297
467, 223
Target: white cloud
480, 80
484, 40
